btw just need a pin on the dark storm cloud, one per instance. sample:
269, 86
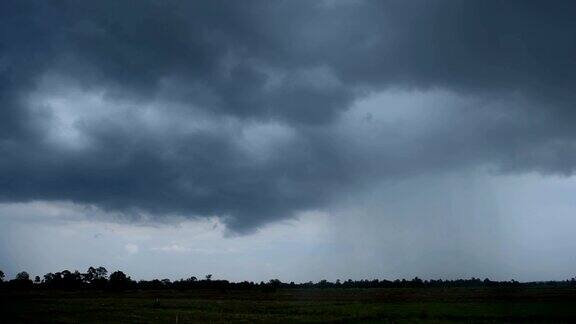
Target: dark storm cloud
295, 65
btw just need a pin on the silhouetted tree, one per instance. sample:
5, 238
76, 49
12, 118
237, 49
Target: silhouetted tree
417, 282
323, 283
22, 281
49, 278
99, 277
119, 281
23, 276
208, 277
118, 276
88, 277
37, 279
272, 285
71, 280
101, 273
1, 276
95, 274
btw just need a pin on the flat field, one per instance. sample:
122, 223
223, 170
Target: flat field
394, 305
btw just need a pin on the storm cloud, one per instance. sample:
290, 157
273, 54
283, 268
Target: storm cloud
253, 111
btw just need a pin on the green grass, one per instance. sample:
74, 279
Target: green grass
306, 305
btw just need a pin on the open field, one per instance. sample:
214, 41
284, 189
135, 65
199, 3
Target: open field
520, 305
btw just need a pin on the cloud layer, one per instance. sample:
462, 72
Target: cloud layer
254, 111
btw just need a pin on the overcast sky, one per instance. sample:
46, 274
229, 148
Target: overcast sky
297, 140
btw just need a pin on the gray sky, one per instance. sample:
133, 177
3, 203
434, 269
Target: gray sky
296, 140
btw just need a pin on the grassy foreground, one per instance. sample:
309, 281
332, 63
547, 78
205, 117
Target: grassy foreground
396, 305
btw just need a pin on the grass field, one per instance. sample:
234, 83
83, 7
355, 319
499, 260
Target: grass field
396, 305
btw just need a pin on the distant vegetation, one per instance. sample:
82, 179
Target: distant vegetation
98, 278
97, 296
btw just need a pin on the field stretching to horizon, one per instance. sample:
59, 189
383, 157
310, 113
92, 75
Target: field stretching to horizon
395, 305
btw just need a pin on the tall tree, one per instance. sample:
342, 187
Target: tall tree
119, 281
23, 276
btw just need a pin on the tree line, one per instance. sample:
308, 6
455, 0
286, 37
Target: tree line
99, 279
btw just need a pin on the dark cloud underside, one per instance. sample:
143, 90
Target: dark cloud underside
237, 109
